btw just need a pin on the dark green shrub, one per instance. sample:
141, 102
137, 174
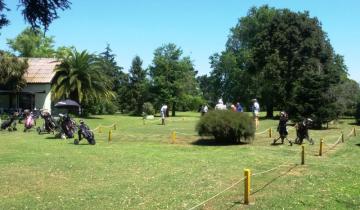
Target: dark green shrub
357, 114
227, 126
148, 108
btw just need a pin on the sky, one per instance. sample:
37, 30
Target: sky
199, 27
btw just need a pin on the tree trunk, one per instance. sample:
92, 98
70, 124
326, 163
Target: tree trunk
269, 111
173, 109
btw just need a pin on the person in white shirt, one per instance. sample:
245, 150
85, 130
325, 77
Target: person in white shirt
255, 110
220, 105
163, 113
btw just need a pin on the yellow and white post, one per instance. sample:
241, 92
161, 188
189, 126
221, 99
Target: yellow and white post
321, 147
302, 155
173, 137
247, 183
270, 132
354, 131
110, 136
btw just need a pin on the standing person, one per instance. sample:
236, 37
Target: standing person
255, 110
239, 108
204, 110
233, 108
220, 105
163, 111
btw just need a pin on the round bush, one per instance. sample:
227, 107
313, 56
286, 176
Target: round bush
227, 126
148, 108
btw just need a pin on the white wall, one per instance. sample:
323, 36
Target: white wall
42, 95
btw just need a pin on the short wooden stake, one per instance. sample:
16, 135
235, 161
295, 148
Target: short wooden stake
247, 182
114, 126
100, 131
342, 137
354, 131
173, 137
302, 154
143, 121
270, 132
321, 147
110, 136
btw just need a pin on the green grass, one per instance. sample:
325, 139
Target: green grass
141, 169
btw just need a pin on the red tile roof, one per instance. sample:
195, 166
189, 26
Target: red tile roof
41, 70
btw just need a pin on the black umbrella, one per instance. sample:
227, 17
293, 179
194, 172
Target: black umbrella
67, 103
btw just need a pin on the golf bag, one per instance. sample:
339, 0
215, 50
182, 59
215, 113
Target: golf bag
67, 127
29, 121
10, 124
84, 131
282, 128
302, 131
49, 124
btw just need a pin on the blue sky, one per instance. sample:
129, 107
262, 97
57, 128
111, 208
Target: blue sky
199, 27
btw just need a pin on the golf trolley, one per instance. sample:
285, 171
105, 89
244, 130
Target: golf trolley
302, 131
84, 131
282, 129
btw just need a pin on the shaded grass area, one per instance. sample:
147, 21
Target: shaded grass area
141, 169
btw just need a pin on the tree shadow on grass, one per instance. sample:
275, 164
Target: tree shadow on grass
53, 137
92, 118
80, 144
358, 144
213, 142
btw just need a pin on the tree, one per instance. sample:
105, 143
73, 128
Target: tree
78, 77
284, 59
138, 85
347, 95
32, 43
117, 77
172, 75
64, 52
12, 70
36, 12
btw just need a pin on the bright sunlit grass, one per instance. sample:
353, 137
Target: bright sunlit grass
141, 169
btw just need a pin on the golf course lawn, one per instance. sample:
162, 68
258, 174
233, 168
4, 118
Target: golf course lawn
141, 168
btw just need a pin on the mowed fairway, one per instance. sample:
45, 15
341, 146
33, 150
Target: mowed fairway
141, 169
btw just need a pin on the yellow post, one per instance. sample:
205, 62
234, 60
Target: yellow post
100, 129
321, 147
247, 174
173, 137
270, 132
342, 137
302, 155
354, 131
110, 136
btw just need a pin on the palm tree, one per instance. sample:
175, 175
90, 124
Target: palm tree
79, 77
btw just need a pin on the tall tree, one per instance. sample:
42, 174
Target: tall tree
138, 85
12, 70
172, 75
32, 43
118, 78
78, 77
285, 59
36, 12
